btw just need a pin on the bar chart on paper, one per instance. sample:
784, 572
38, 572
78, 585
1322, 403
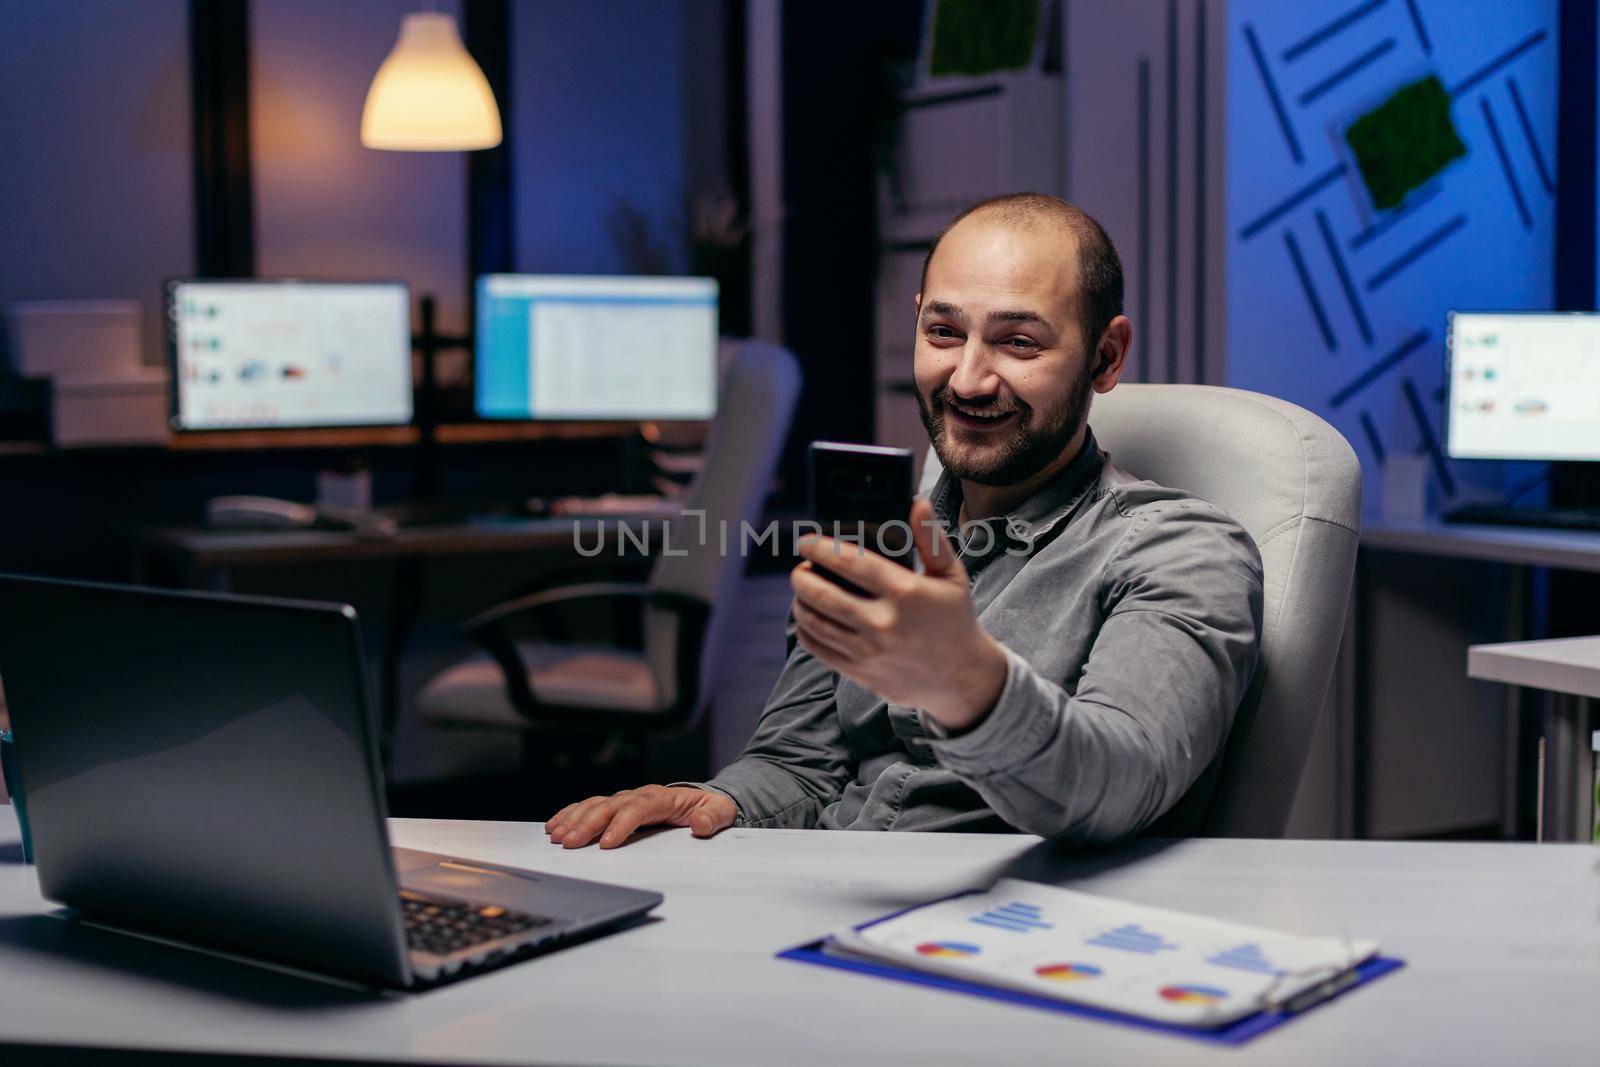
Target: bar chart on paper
1246, 957
1130, 937
1017, 917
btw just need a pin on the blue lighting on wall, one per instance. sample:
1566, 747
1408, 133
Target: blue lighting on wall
1339, 305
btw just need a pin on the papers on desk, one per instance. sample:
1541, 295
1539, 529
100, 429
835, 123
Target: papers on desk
1149, 963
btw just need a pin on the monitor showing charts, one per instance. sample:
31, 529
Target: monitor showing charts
282, 354
1524, 386
592, 347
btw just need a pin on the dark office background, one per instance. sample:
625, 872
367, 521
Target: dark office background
217, 138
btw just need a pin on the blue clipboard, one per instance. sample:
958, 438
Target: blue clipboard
1237, 1032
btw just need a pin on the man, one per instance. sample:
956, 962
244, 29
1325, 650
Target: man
1069, 660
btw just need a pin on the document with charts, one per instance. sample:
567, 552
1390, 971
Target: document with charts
1166, 966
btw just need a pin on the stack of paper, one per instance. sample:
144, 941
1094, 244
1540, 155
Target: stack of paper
1150, 963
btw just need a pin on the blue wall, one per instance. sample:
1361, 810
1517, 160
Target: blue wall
95, 188
599, 117
1337, 306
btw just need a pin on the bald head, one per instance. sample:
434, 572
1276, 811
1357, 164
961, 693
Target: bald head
1098, 269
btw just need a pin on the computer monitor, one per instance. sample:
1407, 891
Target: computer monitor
569, 347
281, 354
1523, 385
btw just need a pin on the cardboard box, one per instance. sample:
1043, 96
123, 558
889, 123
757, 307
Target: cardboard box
130, 410
80, 339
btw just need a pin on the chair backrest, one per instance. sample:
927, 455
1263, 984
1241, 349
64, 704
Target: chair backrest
1294, 484
756, 398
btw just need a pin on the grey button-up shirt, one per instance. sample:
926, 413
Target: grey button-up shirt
1130, 614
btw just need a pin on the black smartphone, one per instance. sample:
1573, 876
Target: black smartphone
862, 494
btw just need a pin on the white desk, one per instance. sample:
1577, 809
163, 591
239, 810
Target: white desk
1501, 941
1569, 666
1410, 746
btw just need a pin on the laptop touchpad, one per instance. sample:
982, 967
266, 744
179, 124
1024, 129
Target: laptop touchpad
427, 872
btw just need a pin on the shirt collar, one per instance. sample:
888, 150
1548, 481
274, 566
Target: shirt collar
1039, 513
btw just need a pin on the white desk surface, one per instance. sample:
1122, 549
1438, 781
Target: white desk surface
1563, 665
1527, 546
1502, 943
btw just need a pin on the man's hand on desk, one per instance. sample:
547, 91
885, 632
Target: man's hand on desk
613, 819
916, 640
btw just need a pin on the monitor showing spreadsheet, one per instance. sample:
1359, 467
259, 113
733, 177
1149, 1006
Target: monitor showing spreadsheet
260, 354
1523, 385
568, 347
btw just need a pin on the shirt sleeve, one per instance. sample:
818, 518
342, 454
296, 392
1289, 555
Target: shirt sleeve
798, 762
1154, 701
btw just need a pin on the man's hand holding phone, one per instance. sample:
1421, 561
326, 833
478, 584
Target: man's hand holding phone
914, 639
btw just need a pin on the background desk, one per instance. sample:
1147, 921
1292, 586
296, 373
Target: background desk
1409, 746
1569, 667
208, 559
1523, 546
1501, 942
209, 556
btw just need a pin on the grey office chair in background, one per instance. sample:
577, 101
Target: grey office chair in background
517, 684
1294, 484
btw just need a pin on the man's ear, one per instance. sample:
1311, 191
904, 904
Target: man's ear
1111, 355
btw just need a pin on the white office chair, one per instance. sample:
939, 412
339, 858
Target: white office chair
1294, 484
517, 683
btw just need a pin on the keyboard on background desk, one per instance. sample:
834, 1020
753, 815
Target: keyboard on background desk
413, 514
1546, 518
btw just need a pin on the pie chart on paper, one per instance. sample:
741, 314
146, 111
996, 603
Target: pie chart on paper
948, 949
1193, 994
1068, 972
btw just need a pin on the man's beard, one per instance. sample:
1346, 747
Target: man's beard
1039, 437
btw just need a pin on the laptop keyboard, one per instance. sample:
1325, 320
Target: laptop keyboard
441, 927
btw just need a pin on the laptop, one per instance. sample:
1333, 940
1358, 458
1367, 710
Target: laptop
202, 768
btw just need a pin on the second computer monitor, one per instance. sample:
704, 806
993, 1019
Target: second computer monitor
571, 347
1524, 385
288, 354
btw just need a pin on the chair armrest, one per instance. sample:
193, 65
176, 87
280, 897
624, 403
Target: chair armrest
539, 604
487, 628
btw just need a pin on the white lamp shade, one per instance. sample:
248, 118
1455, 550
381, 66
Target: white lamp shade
429, 95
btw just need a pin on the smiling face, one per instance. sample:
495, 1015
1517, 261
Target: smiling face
1002, 369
